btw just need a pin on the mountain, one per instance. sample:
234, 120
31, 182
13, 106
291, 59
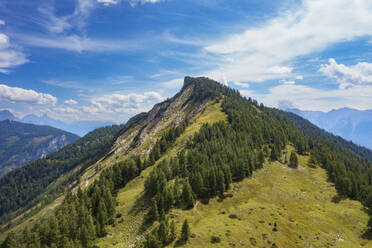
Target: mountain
22, 143
80, 128
41, 120
6, 115
351, 124
204, 168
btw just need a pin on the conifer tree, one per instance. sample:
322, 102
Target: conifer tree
220, 182
261, 158
273, 154
11, 241
185, 232
151, 241
370, 224
163, 232
293, 160
312, 161
172, 232
154, 213
102, 219
187, 195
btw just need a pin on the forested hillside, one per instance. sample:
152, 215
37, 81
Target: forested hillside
21, 188
22, 143
350, 124
315, 131
191, 160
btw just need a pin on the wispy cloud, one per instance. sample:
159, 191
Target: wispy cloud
269, 50
173, 84
309, 98
64, 84
108, 2
242, 85
70, 102
51, 22
76, 43
133, 3
10, 54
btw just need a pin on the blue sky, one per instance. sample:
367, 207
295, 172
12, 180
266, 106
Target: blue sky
110, 59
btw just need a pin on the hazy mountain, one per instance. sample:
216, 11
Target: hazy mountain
6, 115
351, 124
204, 168
22, 143
80, 128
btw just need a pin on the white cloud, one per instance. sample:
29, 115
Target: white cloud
173, 84
359, 74
108, 2
299, 77
67, 110
2, 22
70, 102
78, 18
290, 82
18, 95
10, 55
77, 43
51, 22
267, 51
308, 98
131, 103
133, 3
242, 85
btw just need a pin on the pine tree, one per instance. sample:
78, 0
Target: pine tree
220, 182
187, 195
312, 161
102, 219
153, 213
293, 160
185, 232
273, 154
163, 232
151, 242
370, 224
65, 243
261, 158
11, 241
172, 232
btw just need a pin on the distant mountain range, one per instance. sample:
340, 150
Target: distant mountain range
79, 127
351, 124
22, 143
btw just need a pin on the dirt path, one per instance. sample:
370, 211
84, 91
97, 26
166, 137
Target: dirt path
196, 208
196, 205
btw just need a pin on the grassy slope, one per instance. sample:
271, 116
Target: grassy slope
130, 204
299, 201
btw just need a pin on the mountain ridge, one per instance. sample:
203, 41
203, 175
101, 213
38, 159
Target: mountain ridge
351, 124
202, 145
80, 128
23, 143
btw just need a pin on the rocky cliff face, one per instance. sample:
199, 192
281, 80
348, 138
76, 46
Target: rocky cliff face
169, 113
22, 143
